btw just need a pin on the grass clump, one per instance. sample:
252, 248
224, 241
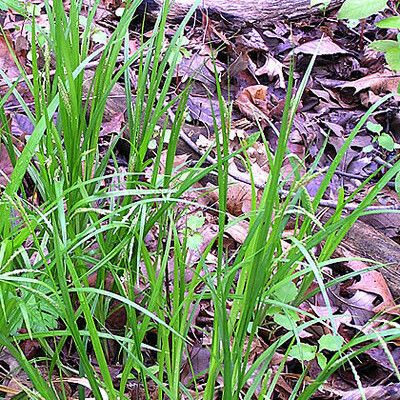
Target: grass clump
79, 256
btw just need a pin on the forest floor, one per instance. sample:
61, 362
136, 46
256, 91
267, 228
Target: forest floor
144, 274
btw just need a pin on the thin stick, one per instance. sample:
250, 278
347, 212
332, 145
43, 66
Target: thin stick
242, 179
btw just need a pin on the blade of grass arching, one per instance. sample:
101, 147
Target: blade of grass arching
153, 71
23, 162
330, 239
15, 5
29, 151
174, 136
298, 384
35, 72
345, 225
20, 68
66, 52
104, 81
177, 301
352, 218
91, 327
318, 277
129, 303
88, 28
277, 374
195, 175
156, 99
304, 230
128, 94
264, 248
18, 96
6, 136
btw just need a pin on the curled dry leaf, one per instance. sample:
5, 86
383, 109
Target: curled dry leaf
238, 231
272, 68
238, 199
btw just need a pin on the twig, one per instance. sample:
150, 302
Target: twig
324, 203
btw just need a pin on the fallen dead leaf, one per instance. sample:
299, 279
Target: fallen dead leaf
7, 63
324, 46
373, 282
238, 198
378, 83
272, 68
238, 231
6, 167
203, 110
114, 125
253, 101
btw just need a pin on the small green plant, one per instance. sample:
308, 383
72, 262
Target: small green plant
384, 140
306, 352
391, 48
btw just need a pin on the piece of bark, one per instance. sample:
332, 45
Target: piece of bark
258, 12
364, 241
388, 392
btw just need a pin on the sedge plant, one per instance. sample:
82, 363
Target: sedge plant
89, 222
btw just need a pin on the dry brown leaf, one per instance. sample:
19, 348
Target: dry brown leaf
7, 63
239, 199
253, 100
272, 68
114, 125
324, 46
203, 110
239, 231
378, 83
6, 167
373, 282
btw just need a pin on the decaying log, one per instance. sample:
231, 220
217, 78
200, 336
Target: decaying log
258, 12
